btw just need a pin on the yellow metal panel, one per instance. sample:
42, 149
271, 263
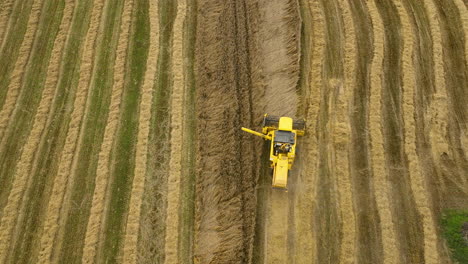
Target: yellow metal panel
285, 124
280, 172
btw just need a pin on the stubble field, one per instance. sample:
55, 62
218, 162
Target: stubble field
120, 134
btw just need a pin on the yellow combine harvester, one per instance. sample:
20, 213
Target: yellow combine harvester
282, 132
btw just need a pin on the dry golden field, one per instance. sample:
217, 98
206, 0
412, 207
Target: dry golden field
120, 136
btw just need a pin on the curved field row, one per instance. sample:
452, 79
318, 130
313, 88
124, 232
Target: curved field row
312, 48
20, 125
175, 163
28, 225
151, 233
6, 8
83, 171
342, 140
130, 249
16, 44
454, 164
60, 143
367, 218
95, 231
12, 90
429, 239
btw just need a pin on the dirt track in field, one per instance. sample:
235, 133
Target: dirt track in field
120, 134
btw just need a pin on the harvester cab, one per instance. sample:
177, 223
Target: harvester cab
282, 133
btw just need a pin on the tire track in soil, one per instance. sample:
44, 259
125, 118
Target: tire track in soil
453, 161
154, 203
225, 200
20, 125
365, 204
12, 89
429, 239
312, 49
6, 14
131, 249
66, 127
391, 252
13, 47
95, 232
328, 222
405, 214
175, 163
84, 166
28, 222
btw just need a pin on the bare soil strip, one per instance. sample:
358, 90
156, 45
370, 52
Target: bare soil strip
454, 162
328, 223
12, 89
365, 205
175, 163
225, 201
6, 8
343, 140
405, 215
14, 46
28, 222
64, 123
278, 52
416, 179
147, 12
312, 49
95, 232
153, 211
391, 253
20, 126
91, 136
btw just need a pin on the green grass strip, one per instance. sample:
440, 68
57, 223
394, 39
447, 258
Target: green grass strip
94, 126
452, 223
124, 147
13, 38
49, 150
154, 199
187, 191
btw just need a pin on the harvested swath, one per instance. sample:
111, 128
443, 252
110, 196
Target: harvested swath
454, 163
13, 46
225, 202
405, 215
20, 126
145, 11
29, 221
91, 135
125, 142
408, 85
342, 129
391, 252
175, 162
312, 49
154, 204
5, 11
95, 231
367, 217
20, 67
326, 217
278, 35
65, 126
